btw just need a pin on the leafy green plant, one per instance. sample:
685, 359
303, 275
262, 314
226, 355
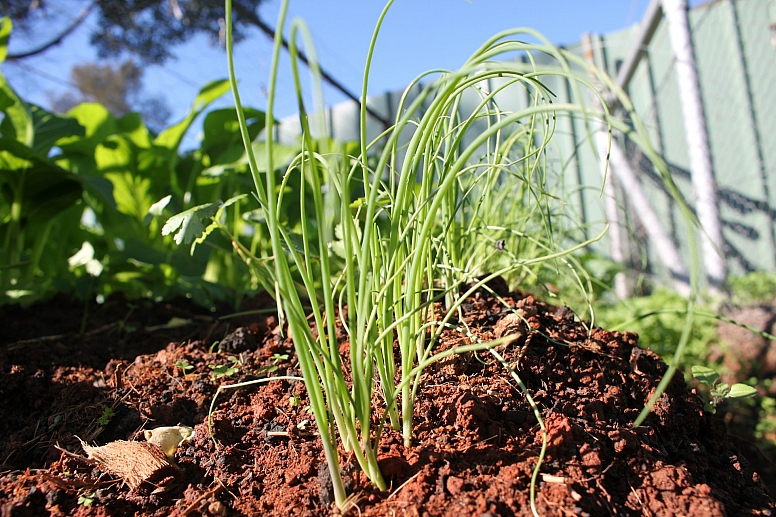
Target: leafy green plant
86, 500
225, 370
279, 358
36, 193
765, 428
55, 422
104, 186
659, 319
106, 417
753, 288
720, 391
183, 366
403, 229
391, 234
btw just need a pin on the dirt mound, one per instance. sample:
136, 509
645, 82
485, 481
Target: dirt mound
476, 440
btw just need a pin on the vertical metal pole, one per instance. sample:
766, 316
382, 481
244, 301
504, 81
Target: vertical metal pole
612, 155
706, 200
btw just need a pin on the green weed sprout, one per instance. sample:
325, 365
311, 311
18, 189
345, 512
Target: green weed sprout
106, 417
720, 391
183, 366
402, 230
86, 500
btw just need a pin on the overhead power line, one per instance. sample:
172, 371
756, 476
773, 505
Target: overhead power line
57, 40
269, 31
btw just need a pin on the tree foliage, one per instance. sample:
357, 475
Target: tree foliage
146, 29
117, 88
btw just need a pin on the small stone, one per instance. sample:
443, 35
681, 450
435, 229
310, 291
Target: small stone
216, 508
454, 485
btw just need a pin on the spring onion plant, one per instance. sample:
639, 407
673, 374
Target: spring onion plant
396, 233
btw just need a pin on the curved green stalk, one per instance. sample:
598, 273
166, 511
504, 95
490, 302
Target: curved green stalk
423, 220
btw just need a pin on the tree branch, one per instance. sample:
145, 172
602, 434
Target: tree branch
56, 41
269, 31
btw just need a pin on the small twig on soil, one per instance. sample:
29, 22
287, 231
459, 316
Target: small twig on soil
479, 443
196, 505
597, 476
132, 386
74, 455
228, 491
69, 484
278, 433
556, 505
549, 478
403, 485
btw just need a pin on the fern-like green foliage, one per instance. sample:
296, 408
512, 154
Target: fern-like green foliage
658, 319
754, 288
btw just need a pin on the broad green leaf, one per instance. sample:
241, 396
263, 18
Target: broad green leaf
17, 122
116, 160
101, 188
217, 171
98, 123
705, 375
50, 127
189, 222
14, 154
281, 154
132, 193
6, 25
221, 131
741, 391
48, 189
257, 216
132, 126
162, 158
171, 137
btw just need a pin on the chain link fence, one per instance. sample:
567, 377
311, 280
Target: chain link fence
735, 49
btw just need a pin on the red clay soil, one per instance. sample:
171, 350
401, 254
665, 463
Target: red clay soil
476, 439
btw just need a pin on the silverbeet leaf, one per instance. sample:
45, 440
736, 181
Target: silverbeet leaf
189, 222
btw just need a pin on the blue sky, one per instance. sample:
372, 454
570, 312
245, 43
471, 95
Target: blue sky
417, 35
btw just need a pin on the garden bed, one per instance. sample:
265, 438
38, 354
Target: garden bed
476, 439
